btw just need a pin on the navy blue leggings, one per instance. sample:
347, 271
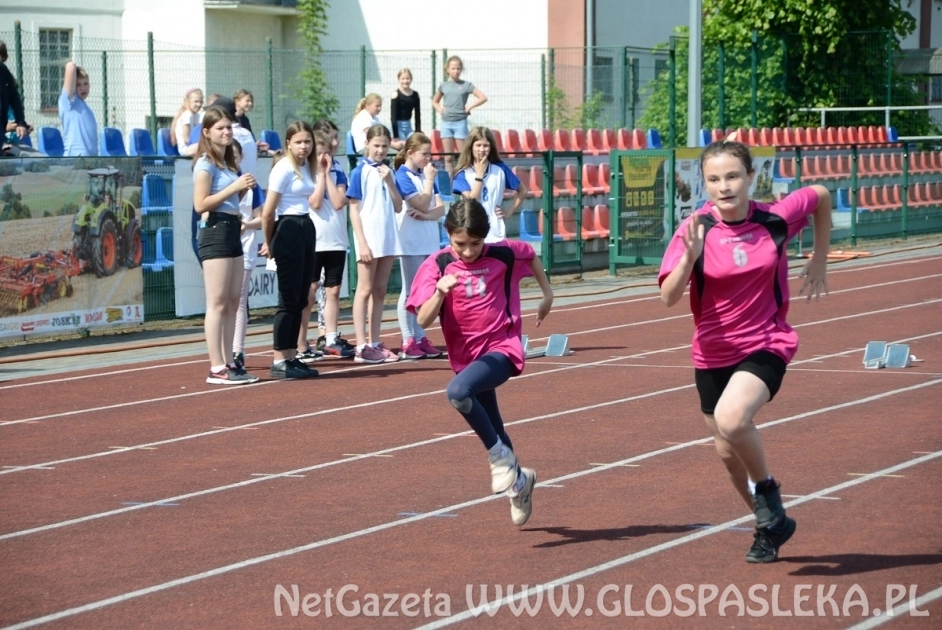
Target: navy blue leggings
473, 393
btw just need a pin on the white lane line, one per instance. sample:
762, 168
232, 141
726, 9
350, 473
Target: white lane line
677, 542
594, 330
599, 304
678, 446
586, 573
900, 611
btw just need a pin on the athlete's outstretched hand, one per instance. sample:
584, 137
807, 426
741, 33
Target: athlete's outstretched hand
693, 239
815, 274
543, 309
447, 283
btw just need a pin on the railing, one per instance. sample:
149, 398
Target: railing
886, 109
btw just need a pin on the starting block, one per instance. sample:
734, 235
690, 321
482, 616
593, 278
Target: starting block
880, 354
556, 346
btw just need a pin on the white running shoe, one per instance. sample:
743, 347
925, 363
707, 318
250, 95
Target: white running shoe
521, 506
504, 471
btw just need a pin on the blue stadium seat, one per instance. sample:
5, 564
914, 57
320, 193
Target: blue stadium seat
444, 186
154, 197
892, 135
272, 139
163, 143
530, 226
705, 137
141, 143
49, 141
163, 257
443, 238
654, 139
26, 141
110, 143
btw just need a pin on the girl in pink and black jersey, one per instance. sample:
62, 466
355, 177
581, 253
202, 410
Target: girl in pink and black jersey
732, 254
474, 289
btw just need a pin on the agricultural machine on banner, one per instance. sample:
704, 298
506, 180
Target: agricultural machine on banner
106, 230
28, 282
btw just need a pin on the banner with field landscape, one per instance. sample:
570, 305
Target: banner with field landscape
71, 244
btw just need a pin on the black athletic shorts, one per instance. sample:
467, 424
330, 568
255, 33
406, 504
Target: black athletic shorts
220, 236
332, 264
768, 366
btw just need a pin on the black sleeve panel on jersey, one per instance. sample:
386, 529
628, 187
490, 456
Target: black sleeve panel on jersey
708, 221
778, 230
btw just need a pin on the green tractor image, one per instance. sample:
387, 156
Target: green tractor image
106, 231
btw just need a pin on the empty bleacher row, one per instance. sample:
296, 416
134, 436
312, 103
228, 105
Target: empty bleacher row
806, 137
890, 196
832, 167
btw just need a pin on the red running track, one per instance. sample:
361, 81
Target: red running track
162, 502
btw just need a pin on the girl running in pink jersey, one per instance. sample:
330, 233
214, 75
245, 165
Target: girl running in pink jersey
474, 289
732, 253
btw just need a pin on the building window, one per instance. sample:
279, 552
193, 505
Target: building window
935, 89
603, 76
55, 49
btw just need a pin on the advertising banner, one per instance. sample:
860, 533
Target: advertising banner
70, 244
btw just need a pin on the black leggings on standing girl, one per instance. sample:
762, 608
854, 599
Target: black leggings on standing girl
293, 250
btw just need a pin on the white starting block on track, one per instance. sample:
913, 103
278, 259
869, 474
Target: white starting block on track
880, 354
556, 346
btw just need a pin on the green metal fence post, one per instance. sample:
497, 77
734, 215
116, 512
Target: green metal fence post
269, 53
546, 253
635, 85
905, 217
853, 187
104, 84
152, 85
362, 70
551, 101
18, 47
434, 88
889, 73
672, 93
721, 85
755, 80
543, 89
625, 86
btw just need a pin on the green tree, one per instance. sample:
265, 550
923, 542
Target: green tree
311, 88
12, 206
826, 53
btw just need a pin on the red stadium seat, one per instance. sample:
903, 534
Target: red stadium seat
566, 223
559, 182
778, 137
523, 174
544, 140
752, 138
623, 137
561, 140
638, 139
831, 137
577, 140
765, 137
498, 141
588, 224
882, 135
512, 141
866, 164
605, 175
602, 220
609, 141
896, 163
594, 142
436, 138
718, 134
536, 181
529, 143
590, 179
570, 179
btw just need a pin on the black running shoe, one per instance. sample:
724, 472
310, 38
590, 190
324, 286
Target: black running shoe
310, 355
239, 359
292, 368
767, 502
768, 540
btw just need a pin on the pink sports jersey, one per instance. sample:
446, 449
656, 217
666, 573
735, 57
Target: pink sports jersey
739, 285
482, 313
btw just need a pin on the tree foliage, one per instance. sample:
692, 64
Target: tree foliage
826, 53
11, 205
311, 87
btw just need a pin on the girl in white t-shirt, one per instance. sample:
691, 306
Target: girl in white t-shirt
374, 202
365, 116
329, 214
418, 233
250, 207
186, 119
290, 240
482, 175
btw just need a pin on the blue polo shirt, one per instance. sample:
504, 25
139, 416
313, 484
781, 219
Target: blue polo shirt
79, 129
